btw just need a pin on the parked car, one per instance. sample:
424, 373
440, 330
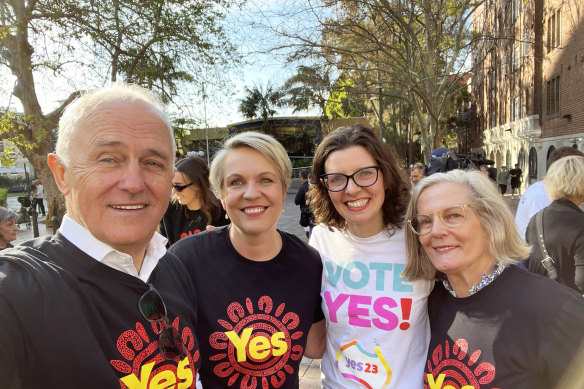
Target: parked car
17, 188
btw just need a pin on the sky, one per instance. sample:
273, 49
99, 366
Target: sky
247, 31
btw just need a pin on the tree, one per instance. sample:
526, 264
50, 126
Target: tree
309, 87
261, 102
157, 44
418, 47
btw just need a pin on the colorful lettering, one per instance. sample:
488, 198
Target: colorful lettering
438, 384
334, 305
355, 311
379, 308
259, 347
356, 275
359, 310
164, 379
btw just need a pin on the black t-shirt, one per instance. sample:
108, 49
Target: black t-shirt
69, 321
253, 317
179, 222
519, 332
517, 173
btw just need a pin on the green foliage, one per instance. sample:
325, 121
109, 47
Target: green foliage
261, 102
309, 87
343, 102
3, 196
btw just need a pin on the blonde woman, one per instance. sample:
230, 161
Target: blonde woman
493, 324
258, 300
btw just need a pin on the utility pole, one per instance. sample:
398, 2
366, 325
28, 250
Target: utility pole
206, 124
380, 97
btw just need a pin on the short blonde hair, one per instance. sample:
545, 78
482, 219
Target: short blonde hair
565, 179
91, 101
265, 144
504, 245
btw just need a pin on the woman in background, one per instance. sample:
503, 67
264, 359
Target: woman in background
193, 207
377, 322
562, 225
8, 227
493, 324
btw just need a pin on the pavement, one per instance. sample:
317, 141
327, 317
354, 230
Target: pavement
309, 372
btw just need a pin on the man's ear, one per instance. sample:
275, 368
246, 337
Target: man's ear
59, 170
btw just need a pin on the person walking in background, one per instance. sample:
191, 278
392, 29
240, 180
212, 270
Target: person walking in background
493, 324
377, 322
536, 198
101, 304
193, 207
562, 226
303, 201
258, 301
516, 179
38, 196
8, 227
503, 179
417, 172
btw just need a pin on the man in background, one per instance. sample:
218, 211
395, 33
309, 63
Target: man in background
515, 175
417, 172
38, 195
502, 180
303, 201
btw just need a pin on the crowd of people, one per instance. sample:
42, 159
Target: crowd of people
170, 273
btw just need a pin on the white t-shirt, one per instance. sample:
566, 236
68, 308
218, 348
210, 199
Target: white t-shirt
534, 199
377, 322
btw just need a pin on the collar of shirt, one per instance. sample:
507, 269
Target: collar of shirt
101, 252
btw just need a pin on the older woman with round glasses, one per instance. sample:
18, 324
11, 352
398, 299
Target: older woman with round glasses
493, 324
377, 323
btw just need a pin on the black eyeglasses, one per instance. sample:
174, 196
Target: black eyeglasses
153, 309
180, 188
364, 177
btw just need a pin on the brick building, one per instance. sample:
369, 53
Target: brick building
528, 86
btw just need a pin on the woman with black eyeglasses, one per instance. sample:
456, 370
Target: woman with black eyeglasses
377, 323
193, 207
493, 324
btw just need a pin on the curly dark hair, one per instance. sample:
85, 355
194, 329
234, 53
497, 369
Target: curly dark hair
397, 188
196, 170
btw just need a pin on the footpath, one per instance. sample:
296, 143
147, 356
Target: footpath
309, 372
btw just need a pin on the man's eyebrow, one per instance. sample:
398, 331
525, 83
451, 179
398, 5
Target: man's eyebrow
117, 143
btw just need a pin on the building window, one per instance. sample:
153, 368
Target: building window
516, 109
516, 4
554, 31
532, 163
493, 79
521, 159
526, 44
515, 57
547, 158
553, 95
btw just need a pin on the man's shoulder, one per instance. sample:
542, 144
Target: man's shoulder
25, 268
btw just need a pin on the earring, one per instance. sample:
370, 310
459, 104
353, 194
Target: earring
226, 217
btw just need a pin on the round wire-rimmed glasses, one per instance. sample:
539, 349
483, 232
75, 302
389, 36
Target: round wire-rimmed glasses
453, 216
364, 177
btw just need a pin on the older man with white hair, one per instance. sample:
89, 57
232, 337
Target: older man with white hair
101, 304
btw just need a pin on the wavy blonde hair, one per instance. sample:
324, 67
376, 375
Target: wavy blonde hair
504, 245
